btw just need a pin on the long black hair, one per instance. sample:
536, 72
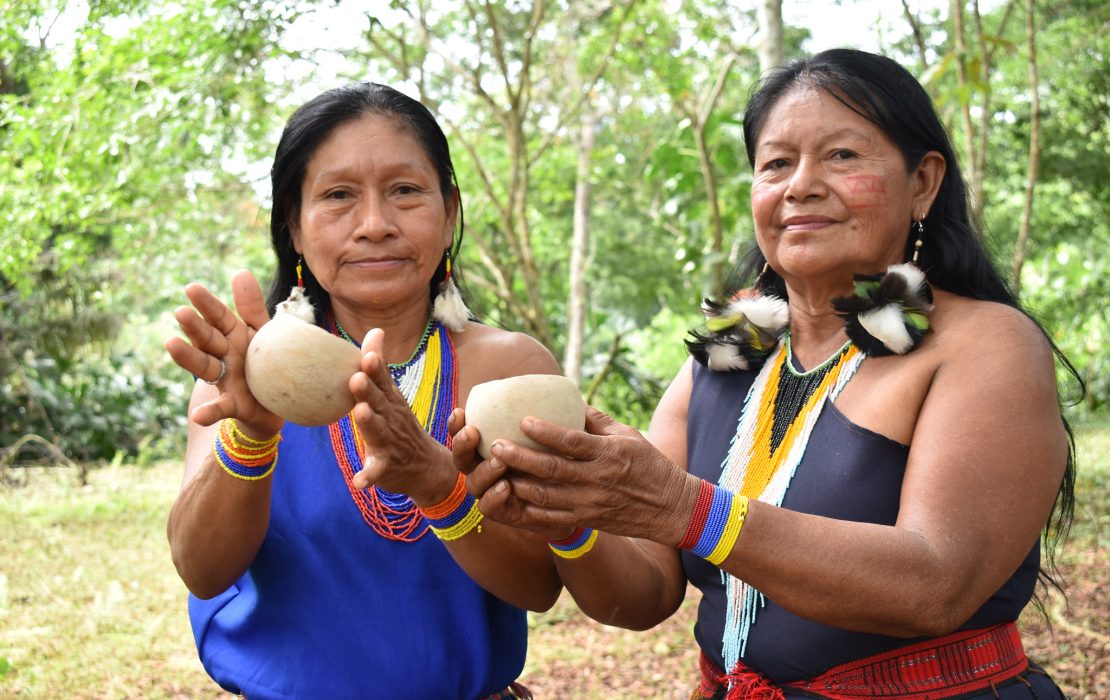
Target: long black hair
306, 130
954, 257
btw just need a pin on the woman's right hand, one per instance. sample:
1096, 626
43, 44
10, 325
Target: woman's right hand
218, 335
609, 477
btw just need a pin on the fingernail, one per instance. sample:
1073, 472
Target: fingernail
496, 448
526, 424
501, 487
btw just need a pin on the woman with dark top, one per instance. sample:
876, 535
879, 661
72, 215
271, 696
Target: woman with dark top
311, 576
857, 462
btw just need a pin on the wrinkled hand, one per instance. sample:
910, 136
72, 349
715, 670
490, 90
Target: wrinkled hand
464, 442
481, 476
400, 456
217, 334
609, 478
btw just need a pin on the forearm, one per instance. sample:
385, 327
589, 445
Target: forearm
512, 564
624, 582
859, 576
216, 527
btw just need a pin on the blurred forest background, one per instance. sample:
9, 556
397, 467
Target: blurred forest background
600, 157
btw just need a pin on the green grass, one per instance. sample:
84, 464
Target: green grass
91, 607
90, 604
1092, 485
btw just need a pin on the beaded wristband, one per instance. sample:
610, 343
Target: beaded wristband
244, 457
580, 542
715, 523
456, 515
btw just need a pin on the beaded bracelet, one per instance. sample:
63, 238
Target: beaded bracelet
580, 542
456, 515
715, 523
244, 457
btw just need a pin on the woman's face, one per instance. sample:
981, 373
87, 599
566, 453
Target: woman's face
831, 195
373, 224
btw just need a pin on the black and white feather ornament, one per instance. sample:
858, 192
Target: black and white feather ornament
889, 314
739, 334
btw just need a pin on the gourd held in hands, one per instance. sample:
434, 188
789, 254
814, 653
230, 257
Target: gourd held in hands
298, 370
496, 408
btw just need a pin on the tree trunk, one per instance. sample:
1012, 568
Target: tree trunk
580, 246
770, 30
974, 178
1034, 148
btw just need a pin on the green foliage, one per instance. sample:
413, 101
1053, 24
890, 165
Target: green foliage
97, 409
125, 148
1065, 278
1067, 290
114, 193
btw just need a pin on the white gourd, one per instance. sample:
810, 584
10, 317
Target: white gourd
297, 369
497, 407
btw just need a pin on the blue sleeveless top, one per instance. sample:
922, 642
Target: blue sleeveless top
330, 609
848, 473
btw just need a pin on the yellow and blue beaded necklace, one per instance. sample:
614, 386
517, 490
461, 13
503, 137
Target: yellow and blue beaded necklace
778, 416
429, 382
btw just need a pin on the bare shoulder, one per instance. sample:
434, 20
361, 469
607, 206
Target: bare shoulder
973, 331
994, 360
486, 353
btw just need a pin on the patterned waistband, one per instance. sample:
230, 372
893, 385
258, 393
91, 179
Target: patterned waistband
945, 667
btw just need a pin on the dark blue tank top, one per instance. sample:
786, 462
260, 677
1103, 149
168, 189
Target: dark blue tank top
848, 473
330, 609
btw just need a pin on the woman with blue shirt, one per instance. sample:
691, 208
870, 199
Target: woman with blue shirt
348, 560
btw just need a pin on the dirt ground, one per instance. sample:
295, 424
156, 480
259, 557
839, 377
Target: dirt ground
575, 658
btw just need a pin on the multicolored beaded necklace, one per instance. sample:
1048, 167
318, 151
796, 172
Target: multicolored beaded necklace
779, 413
429, 382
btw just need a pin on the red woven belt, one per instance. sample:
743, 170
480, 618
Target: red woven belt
945, 667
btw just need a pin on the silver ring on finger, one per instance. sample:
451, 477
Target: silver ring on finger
220, 377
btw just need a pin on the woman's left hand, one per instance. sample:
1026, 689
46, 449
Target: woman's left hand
400, 456
609, 478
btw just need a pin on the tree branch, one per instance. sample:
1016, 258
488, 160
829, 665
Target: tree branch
918, 36
589, 85
614, 350
498, 50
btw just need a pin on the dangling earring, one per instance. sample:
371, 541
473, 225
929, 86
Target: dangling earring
889, 314
743, 331
297, 303
449, 307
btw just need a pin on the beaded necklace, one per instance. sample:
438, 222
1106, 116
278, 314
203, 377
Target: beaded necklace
429, 382
779, 413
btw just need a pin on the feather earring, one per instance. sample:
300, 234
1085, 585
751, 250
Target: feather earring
297, 303
742, 332
889, 314
449, 307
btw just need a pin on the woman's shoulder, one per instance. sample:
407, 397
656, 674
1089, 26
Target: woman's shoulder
503, 353
987, 330
957, 315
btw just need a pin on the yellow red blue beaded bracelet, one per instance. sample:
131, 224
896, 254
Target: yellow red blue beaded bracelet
456, 515
715, 523
580, 542
248, 463
241, 438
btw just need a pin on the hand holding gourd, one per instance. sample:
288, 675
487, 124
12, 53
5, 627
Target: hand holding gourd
218, 335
